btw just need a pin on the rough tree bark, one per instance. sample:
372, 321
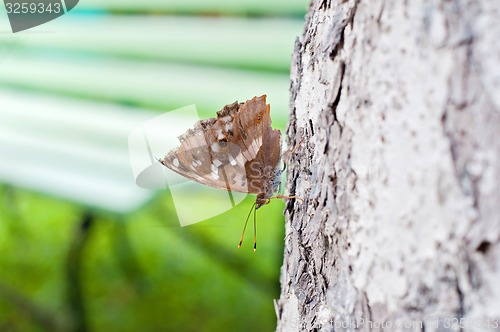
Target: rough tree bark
397, 104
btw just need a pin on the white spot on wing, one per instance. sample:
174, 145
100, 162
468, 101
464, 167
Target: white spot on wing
232, 161
215, 147
176, 162
217, 163
220, 135
214, 174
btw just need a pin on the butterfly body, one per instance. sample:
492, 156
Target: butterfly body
237, 151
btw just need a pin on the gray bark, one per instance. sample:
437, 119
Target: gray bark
397, 105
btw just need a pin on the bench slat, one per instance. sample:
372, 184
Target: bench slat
277, 7
227, 42
145, 84
95, 160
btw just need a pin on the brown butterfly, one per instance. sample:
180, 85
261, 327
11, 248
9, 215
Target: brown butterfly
237, 151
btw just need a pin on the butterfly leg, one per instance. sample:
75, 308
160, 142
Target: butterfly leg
289, 197
289, 152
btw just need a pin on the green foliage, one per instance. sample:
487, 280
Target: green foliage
141, 272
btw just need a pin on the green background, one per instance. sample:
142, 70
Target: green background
139, 270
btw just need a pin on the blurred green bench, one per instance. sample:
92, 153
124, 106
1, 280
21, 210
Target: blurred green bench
160, 63
70, 149
197, 7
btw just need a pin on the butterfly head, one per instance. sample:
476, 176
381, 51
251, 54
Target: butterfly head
261, 200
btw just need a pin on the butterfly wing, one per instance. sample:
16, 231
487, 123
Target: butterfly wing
221, 152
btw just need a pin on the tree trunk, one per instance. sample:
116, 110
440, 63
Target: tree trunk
397, 105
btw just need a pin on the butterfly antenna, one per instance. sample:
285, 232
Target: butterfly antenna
245, 227
254, 230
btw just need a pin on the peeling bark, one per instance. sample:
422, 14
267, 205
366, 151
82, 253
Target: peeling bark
397, 105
